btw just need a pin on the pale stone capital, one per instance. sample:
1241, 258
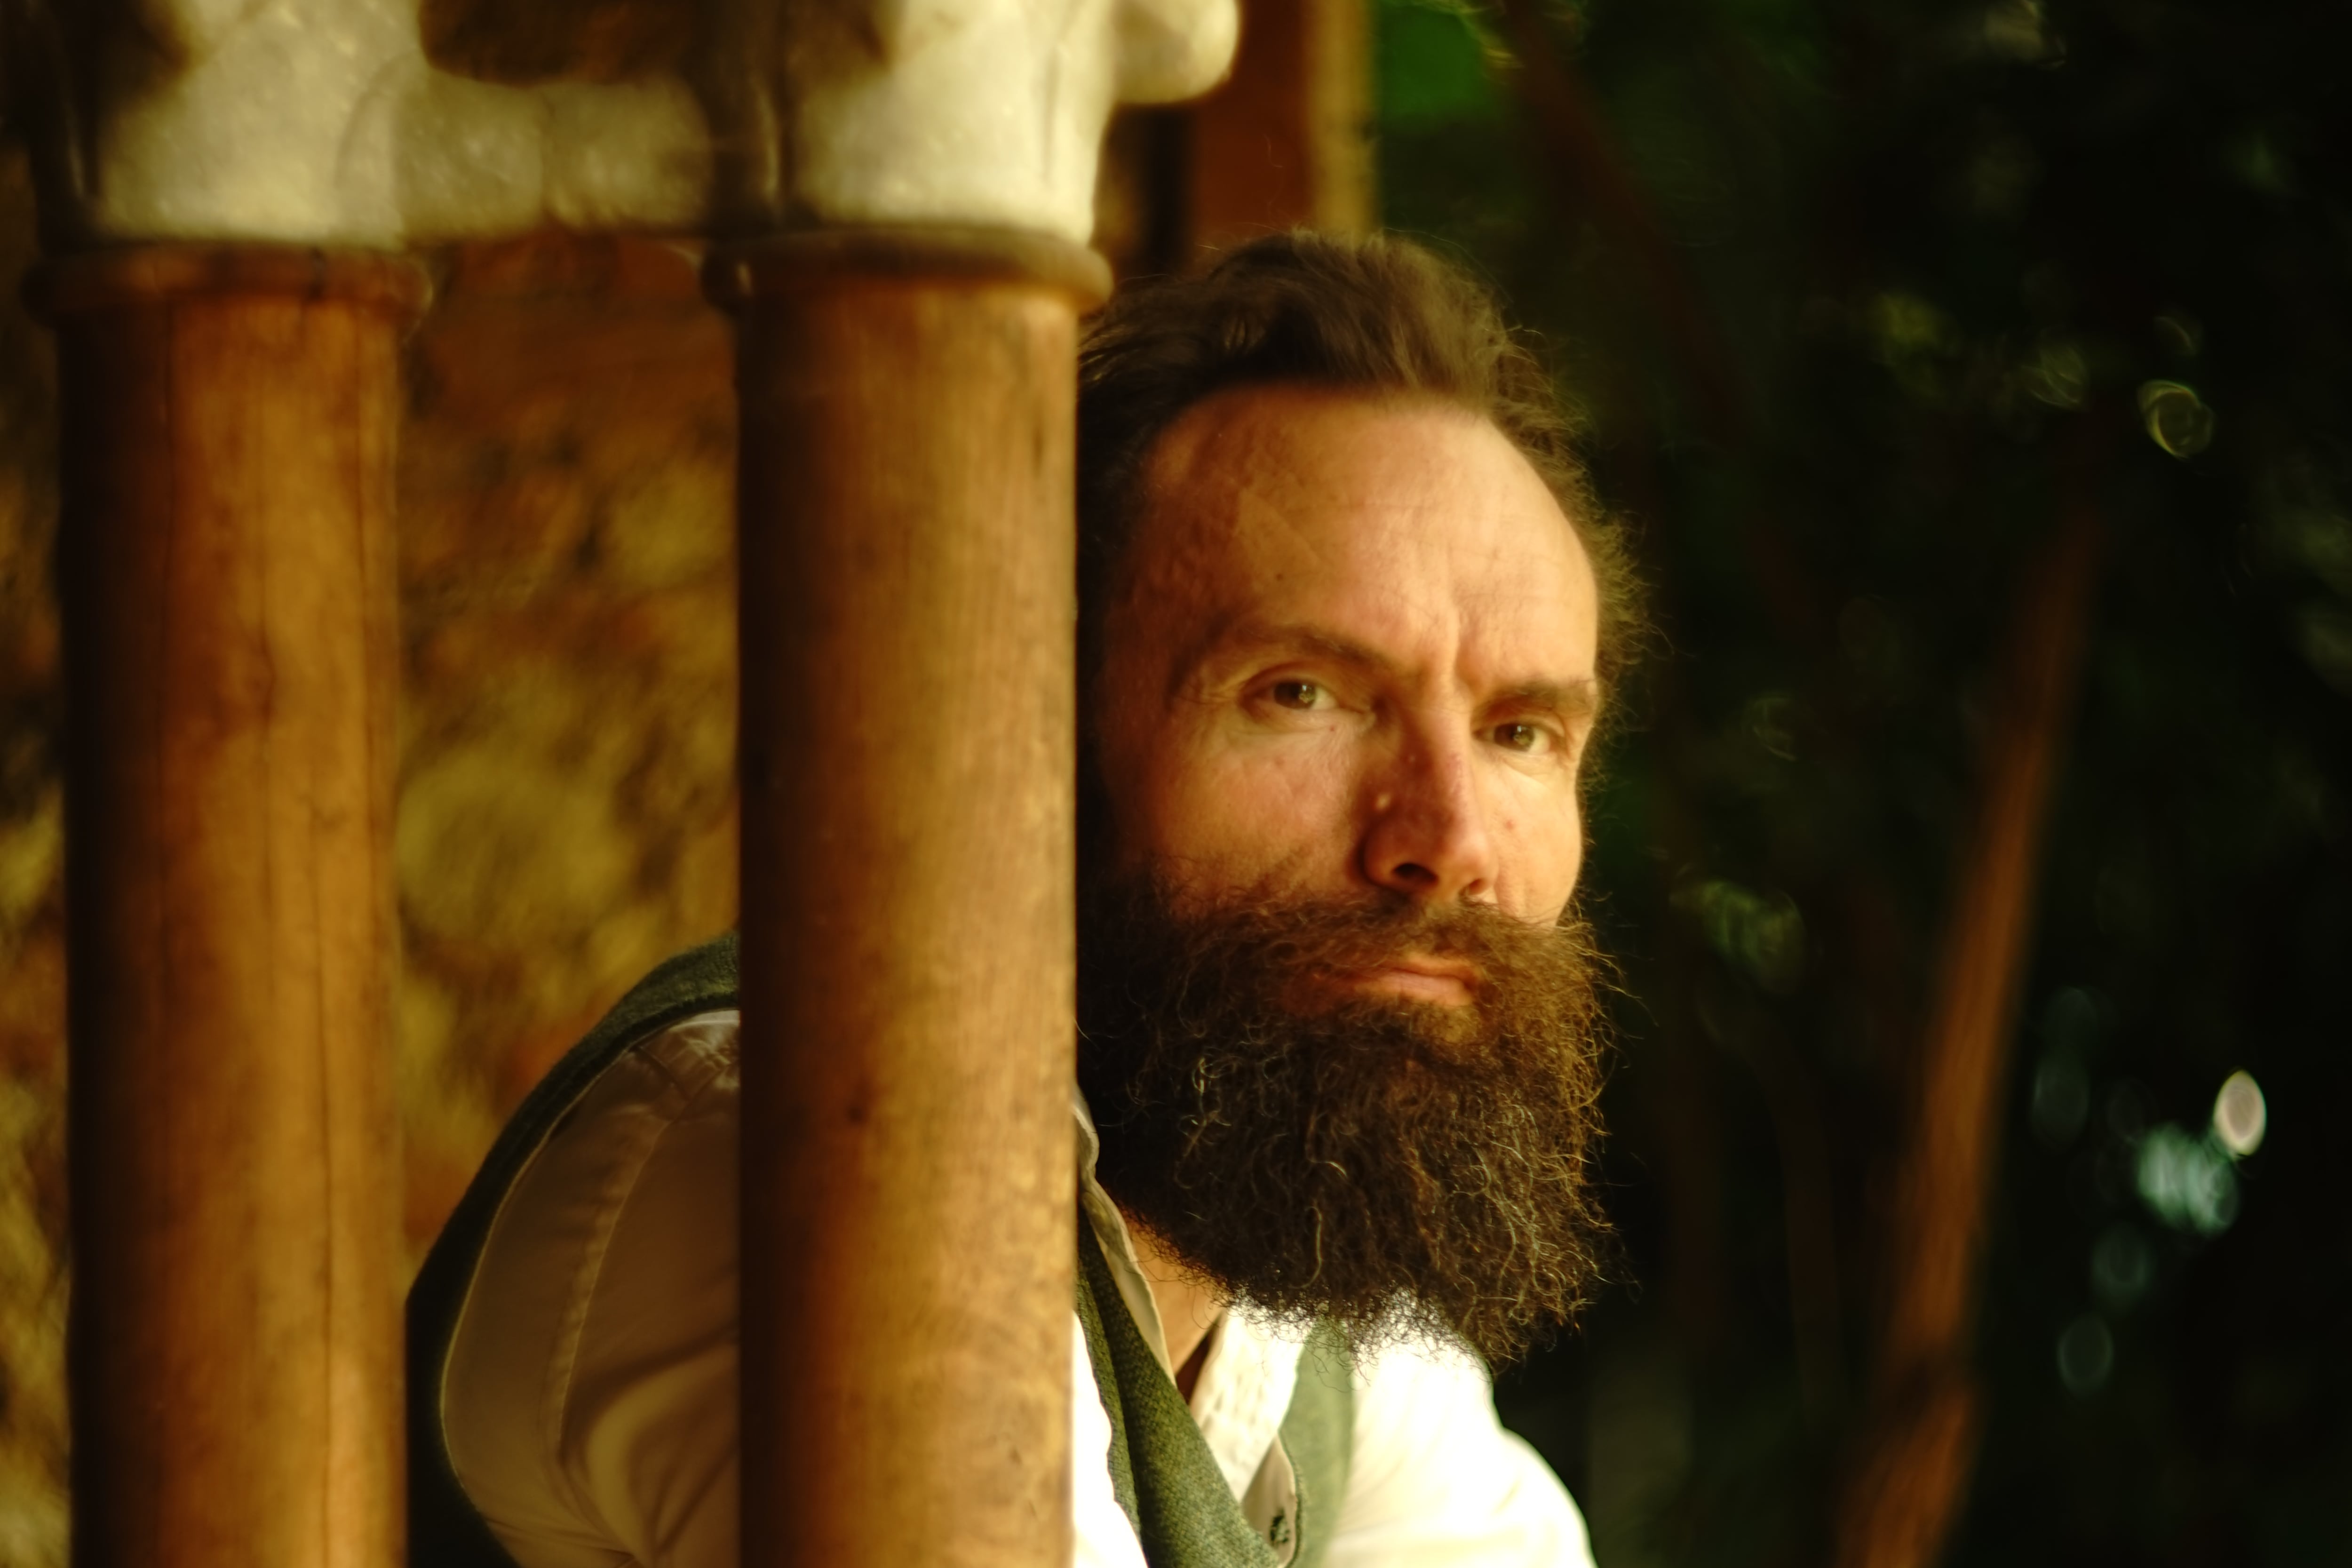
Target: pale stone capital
979, 111
321, 121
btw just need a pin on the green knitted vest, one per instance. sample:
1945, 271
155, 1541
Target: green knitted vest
1160, 1468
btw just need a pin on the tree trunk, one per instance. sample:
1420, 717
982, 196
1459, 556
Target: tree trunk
1910, 1471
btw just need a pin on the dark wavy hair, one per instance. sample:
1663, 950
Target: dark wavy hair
1376, 314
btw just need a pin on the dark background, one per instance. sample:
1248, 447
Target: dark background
1864, 302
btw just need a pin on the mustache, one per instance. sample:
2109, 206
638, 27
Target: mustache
1340, 934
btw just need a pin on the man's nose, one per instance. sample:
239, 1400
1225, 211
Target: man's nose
1429, 836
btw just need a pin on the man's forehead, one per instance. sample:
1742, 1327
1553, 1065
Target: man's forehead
1265, 453
1369, 517
1261, 436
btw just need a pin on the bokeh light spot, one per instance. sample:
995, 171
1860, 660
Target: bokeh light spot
2062, 1098
2059, 375
2189, 1182
1760, 932
1769, 721
2318, 538
2175, 417
2122, 1266
2324, 631
2018, 29
2180, 332
2241, 1116
2086, 1354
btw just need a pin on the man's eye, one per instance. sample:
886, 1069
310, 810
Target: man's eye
1301, 694
1520, 737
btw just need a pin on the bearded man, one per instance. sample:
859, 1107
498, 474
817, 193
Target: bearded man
1348, 621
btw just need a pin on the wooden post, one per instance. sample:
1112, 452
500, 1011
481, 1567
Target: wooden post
227, 565
1284, 141
908, 752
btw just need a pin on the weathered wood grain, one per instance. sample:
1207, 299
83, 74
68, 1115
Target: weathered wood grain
227, 576
907, 760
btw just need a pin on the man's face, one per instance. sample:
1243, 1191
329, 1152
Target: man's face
1351, 649
1338, 1037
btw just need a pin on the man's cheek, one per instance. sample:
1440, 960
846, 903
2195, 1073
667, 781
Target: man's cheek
1540, 841
1260, 809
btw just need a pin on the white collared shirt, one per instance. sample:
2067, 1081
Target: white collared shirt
589, 1397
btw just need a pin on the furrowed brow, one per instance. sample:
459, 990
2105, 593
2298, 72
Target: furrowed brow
1248, 639
1569, 699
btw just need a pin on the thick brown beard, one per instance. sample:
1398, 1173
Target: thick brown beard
1403, 1169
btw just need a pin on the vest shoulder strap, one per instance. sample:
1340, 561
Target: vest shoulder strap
1160, 1466
1319, 1433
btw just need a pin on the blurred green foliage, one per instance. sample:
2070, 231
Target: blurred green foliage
1883, 288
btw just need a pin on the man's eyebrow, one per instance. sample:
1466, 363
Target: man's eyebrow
1250, 635
1255, 636
1577, 698
1574, 697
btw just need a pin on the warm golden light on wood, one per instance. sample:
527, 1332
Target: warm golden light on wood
226, 562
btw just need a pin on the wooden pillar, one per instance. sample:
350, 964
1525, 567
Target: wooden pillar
908, 754
227, 565
1285, 140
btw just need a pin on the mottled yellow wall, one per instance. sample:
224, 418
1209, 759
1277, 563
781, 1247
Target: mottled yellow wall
32, 929
567, 812
567, 726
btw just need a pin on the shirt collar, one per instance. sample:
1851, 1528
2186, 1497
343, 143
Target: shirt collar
1111, 1229
1250, 1369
